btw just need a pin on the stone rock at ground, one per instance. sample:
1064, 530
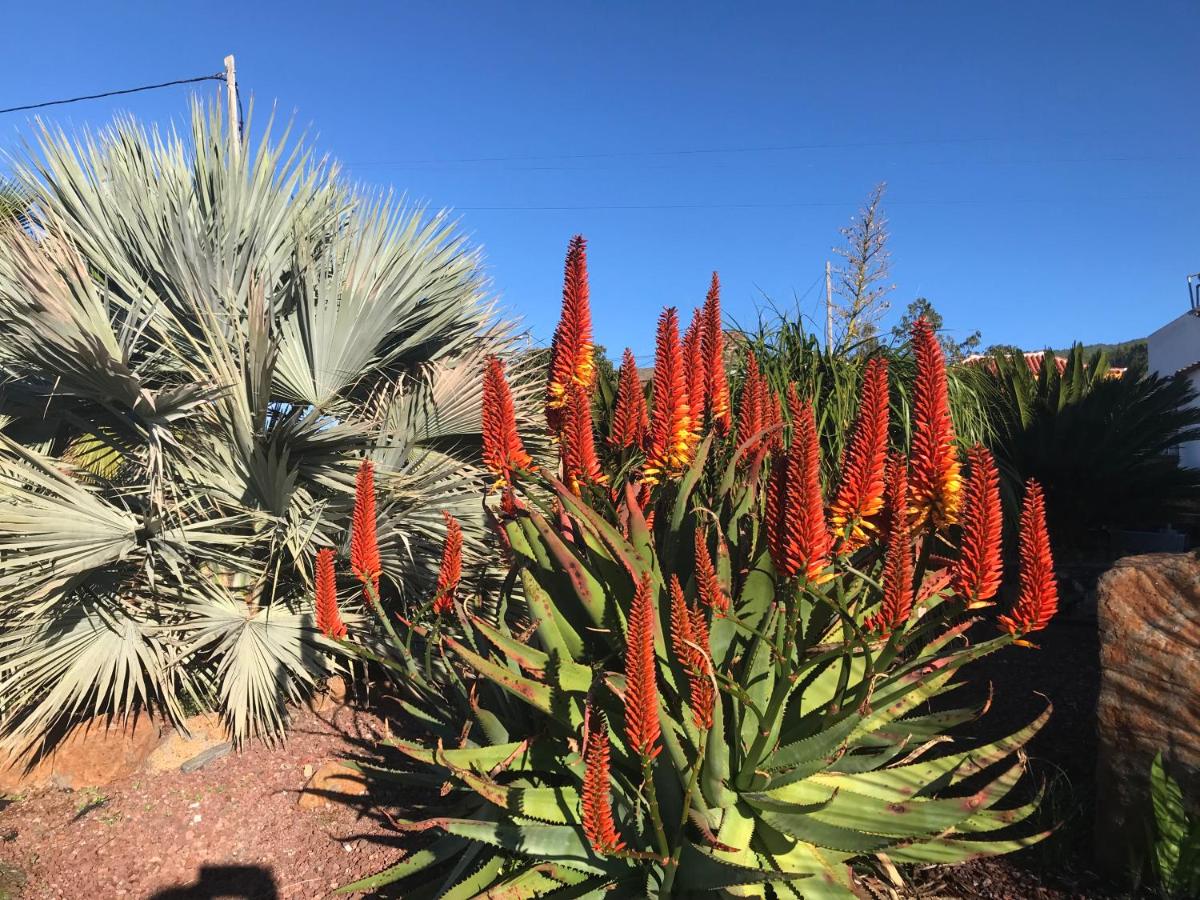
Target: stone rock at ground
92, 754
332, 698
1149, 623
206, 731
331, 783
202, 759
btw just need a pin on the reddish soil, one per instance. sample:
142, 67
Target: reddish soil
232, 829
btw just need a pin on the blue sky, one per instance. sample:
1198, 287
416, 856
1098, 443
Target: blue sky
1041, 158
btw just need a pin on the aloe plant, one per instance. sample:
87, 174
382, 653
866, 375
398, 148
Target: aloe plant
693, 678
198, 346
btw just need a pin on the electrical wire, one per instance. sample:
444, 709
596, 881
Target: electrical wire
219, 76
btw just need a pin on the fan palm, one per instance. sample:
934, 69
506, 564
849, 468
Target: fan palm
197, 348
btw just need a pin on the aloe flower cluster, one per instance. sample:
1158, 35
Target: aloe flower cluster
700, 669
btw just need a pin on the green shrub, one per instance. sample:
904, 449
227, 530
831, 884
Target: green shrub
198, 346
692, 680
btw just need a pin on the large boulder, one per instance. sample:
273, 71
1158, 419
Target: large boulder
1149, 622
91, 754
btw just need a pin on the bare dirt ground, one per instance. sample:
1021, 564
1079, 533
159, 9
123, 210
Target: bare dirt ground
232, 829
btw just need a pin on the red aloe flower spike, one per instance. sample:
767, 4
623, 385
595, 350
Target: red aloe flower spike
716, 385
1037, 601
671, 437
750, 412
451, 571
364, 542
936, 481
709, 586
641, 685
772, 416
596, 800
503, 451
630, 421
578, 445
329, 619
571, 349
897, 602
860, 493
681, 623
976, 575
693, 359
700, 685
796, 534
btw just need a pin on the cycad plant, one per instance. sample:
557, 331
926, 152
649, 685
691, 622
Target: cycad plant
199, 342
703, 673
1101, 444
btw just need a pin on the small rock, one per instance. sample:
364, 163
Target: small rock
308, 771
330, 783
203, 759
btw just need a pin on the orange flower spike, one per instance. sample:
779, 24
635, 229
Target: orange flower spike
681, 623
749, 421
693, 359
630, 421
364, 541
641, 686
709, 586
503, 451
450, 573
797, 537
772, 416
860, 493
596, 799
936, 481
976, 575
579, 443
1037, 601
716, 385
700, 686
329, 618
671, 437
897, 602
571, 350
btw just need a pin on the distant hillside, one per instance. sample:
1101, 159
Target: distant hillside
1127, 354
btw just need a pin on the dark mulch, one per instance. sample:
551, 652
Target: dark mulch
1065, 671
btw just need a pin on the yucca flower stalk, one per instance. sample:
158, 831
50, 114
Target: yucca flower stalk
1037, 601
329, 617
976, 575
860, 492
935, 479
630, 419
450, 572
672, 439
571, 351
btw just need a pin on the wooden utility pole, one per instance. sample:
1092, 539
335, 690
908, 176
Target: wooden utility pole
235, 120
828, 310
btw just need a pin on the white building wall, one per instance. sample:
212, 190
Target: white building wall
1173, 348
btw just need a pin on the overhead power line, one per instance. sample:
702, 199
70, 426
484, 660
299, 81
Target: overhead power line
219, 76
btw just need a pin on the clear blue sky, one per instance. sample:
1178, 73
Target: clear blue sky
1041, 158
